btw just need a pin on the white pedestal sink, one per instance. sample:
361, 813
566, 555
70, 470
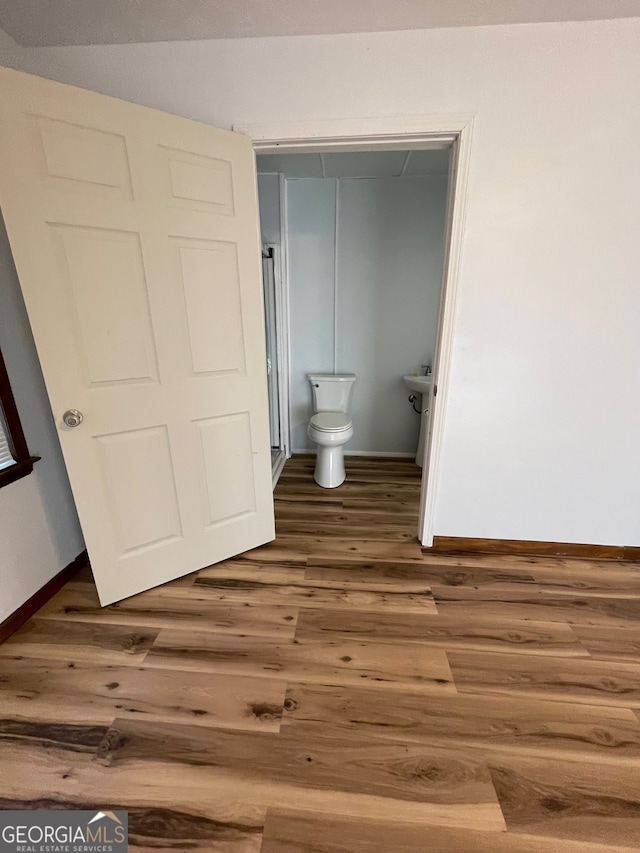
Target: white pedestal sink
420, 386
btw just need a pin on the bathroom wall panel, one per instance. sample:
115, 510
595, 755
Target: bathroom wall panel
269, 200
390, 254
311, 232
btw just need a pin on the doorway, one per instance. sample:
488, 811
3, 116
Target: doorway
365, 249
439, 132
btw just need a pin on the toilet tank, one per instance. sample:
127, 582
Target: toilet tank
331, 392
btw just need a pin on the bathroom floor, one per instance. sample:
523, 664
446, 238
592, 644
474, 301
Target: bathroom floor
340, 691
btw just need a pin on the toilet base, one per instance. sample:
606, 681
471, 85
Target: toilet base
329, 472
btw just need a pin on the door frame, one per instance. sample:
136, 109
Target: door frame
422, 132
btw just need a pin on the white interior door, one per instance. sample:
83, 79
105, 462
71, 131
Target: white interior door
135, 236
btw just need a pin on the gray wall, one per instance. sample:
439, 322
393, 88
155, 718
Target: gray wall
39, 529
310, 235
384, 288
269, 200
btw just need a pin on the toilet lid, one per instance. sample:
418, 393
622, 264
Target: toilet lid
330, 421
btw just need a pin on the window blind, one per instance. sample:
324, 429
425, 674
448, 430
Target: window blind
6, 458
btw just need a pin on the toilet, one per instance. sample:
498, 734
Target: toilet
331, 427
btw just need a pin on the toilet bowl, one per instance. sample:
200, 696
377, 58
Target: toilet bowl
330, 428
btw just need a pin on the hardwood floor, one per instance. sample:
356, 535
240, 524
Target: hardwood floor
340, 690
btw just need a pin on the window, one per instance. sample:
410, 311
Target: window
15, 461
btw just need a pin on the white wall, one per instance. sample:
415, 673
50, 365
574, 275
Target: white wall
542, 422
385, 288
39, 529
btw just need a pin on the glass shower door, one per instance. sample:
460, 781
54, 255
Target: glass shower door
271, 338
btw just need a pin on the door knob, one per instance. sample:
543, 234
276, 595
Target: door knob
73, 418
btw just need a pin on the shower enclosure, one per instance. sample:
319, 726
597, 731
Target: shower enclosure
275, 358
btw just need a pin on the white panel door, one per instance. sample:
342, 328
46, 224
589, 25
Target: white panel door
135, 237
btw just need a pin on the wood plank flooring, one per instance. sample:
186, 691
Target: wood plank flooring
340, 690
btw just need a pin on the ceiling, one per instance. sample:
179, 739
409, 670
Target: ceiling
357, 164
36, 23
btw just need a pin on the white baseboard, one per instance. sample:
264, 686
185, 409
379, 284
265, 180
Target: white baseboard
277, 467
387, 453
